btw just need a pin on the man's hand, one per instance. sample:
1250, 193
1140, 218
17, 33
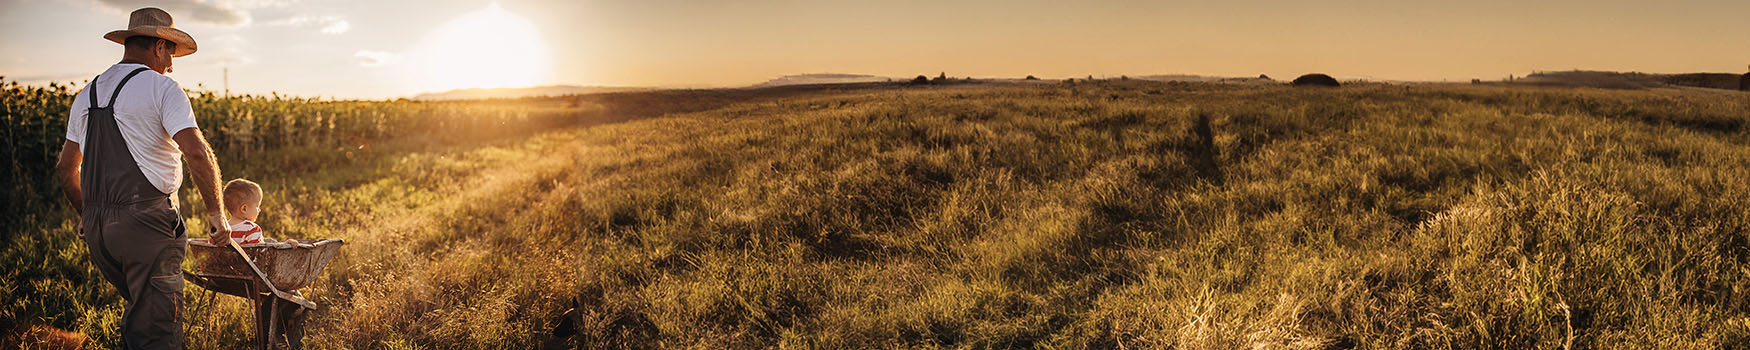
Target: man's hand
217, 229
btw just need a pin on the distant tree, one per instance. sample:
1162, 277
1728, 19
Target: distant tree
1316, 79
920, 80
943, 76
1030, 77
1744, 82
1123, 77
1263, 77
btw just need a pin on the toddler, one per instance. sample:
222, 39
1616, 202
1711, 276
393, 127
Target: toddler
243, 202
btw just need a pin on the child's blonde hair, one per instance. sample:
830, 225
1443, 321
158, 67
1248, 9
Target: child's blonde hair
240, 191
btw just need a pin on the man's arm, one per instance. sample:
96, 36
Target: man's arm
68, 169
205, 172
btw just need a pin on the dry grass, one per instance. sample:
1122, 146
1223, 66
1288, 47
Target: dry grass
1106, 215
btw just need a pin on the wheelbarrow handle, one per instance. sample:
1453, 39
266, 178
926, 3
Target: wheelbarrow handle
276, 291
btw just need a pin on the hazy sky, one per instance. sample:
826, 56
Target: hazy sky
375, 49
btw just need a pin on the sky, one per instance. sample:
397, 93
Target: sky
395, 48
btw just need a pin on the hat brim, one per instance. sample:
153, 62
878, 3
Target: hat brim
184, 43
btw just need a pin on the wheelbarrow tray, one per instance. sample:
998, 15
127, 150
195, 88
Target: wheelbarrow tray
288, 266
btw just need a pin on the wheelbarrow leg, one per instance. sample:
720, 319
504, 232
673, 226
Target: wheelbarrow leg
283, 326
294, 324
261, 317
273, 324
289, 325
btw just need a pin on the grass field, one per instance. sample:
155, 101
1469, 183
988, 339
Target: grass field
1105, 214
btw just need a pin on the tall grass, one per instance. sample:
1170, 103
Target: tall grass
48, 279
1106, 214
261, 134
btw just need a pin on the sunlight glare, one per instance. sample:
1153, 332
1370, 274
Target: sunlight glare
489, 48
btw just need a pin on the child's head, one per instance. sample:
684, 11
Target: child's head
243, 199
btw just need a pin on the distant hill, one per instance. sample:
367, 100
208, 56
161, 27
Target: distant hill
822, 78
1631, 80
1202, 79
1727, 81
1181, 78
554, 90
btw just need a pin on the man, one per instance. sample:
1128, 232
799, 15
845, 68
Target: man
126, 134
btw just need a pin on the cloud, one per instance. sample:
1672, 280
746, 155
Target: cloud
198, 10
255, 4
229, 50
326, 24
228, 60
368, 58
336, 27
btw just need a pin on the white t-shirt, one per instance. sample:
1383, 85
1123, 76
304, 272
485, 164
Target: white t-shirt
149, 110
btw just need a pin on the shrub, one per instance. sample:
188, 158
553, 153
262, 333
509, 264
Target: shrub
1315, 79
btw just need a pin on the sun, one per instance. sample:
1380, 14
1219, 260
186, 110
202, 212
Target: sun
488, 48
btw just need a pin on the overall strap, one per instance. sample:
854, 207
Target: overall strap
118, 88
92, 89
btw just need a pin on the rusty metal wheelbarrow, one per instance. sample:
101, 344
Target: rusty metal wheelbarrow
267, 274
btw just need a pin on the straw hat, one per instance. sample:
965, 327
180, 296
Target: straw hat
152, 22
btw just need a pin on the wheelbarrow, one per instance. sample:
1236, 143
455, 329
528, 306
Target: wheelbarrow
268, 274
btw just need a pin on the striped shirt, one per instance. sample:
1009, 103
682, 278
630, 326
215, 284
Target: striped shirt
246, 232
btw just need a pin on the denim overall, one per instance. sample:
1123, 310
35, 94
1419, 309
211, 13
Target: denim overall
135, 235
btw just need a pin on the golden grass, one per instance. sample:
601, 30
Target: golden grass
1105, 214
